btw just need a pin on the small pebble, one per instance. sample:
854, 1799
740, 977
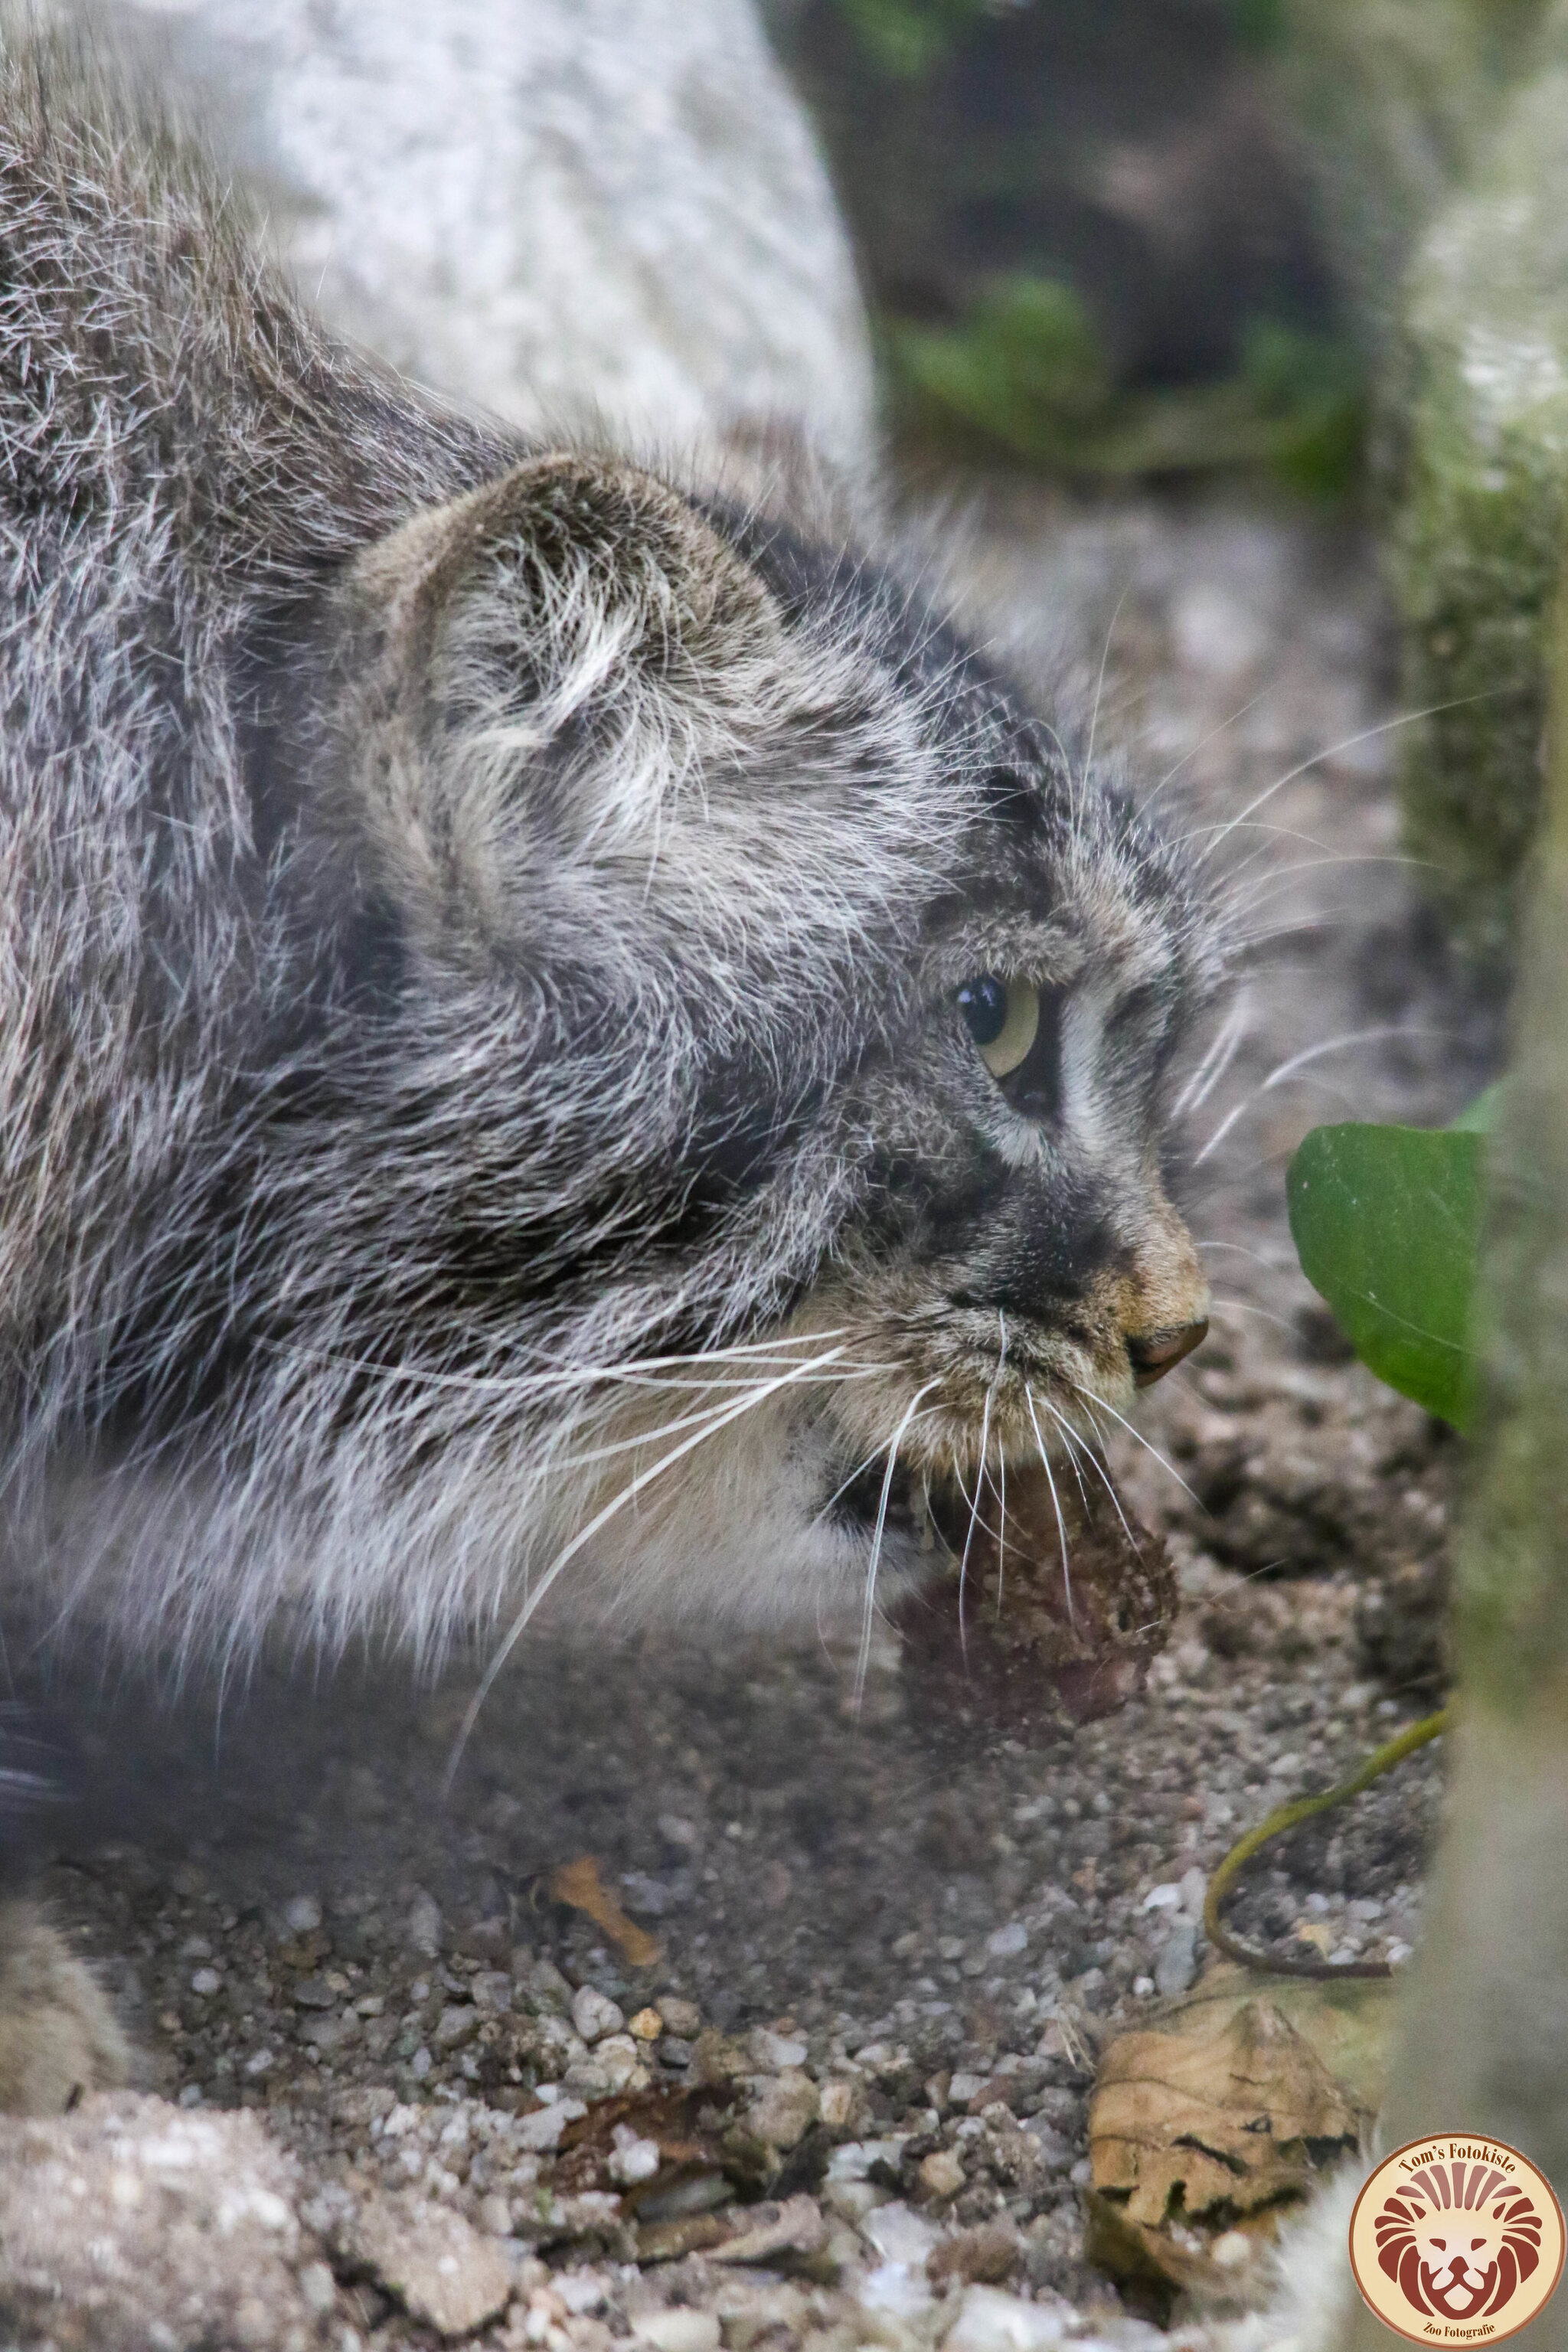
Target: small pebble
422, 1928
678, 2331
302, 1915
634, 2160
777, 2051
319, 2287
941, 2173
1176, 1962
594, 2014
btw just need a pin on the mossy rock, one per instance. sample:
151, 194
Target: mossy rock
1390, 100
1478, 384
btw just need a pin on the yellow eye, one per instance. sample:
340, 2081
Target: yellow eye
1001, 1016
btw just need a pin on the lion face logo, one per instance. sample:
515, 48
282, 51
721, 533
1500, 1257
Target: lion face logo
1457, 2239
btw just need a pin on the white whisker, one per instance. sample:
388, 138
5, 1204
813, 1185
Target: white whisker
1201, 745
1338, 1045
1001, 1367
1121, 1418
1243, 1306
1329, 751
974, 1506
863, 1662
843, 1486
1288, 1069
721, 1418
1099, 689
1056, 1501
1077, 1445
1215, 1062
1223, 1129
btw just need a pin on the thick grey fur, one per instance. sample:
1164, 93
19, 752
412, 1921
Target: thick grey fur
480, 923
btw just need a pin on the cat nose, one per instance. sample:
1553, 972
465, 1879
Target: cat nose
1154, 1353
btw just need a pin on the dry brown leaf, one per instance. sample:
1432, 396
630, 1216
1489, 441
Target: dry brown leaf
1206, 2123
578, 1885
1218, 2117
1347, 2020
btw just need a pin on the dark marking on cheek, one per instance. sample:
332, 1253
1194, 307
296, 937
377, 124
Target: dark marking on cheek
1042, 1251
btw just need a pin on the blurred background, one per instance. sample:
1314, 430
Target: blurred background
1213, 355
1299, 250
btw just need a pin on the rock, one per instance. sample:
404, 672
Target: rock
893, 2291
1389, 100
774, 2052
456, 2025
302, 1915
1175, 1963
941, 2173
633, 2159
318, 2287
717, 2058
541, 2129
594, 2014
681, 2018
422, 1928
315, 1992
843, 2102
613, 2065
328, 2032
577, 209
900, 2235
787, 2110
130, 2218
678, 2331
545, 1987
1481, 383
440, 2268
795, 2227
991, 2322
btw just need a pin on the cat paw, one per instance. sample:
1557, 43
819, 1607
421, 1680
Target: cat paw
58, 2037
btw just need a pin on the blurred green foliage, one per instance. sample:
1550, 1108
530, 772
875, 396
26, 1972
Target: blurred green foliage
1027, 372
908, 38
1261, 23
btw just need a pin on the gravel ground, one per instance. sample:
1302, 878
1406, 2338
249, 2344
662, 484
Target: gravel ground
846, 2099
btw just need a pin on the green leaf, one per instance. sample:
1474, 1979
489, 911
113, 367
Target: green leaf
1480, 1116
1387, 1222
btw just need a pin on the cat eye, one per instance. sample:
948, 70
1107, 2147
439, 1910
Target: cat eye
1003, 1017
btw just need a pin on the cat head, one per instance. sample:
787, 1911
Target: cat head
755, 1109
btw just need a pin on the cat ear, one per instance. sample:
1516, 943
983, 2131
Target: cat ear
532, 671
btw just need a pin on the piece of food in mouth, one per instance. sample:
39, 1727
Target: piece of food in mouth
1011, 1627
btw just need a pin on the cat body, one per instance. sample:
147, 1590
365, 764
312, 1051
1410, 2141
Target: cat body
491, 1094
